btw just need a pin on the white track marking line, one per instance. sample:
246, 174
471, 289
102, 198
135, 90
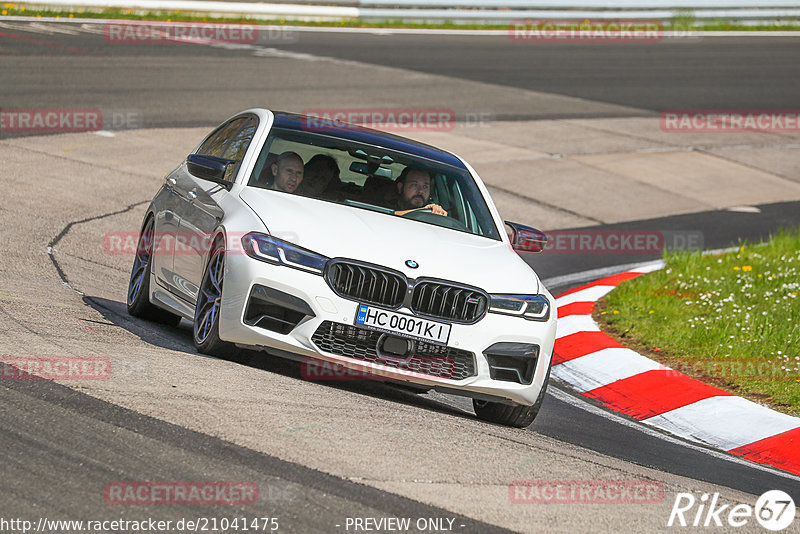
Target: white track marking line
595, 274
590, 294
575, 323
644, 269
603, 367
36, 27
725, 422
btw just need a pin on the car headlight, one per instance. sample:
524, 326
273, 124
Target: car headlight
267, 248
533, 307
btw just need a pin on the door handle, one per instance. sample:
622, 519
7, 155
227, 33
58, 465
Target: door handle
192, 195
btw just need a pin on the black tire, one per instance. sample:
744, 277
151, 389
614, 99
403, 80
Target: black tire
138, 299
516, 415
205, 328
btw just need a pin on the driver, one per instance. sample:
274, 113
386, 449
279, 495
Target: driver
414, 189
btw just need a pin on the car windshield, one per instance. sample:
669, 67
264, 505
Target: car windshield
363, 176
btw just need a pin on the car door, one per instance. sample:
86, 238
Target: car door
166, 207
168, 215
200, 205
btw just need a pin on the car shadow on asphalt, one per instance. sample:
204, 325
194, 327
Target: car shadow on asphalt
180, 339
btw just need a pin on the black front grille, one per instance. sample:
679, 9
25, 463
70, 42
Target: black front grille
446, 301
366, 283
361, 344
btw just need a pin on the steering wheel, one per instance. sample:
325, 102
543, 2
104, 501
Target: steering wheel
427, 215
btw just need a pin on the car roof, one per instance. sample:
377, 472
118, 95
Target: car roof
352, 132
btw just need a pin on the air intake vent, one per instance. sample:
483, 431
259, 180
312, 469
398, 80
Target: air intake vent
512, 362
362, 344
275, 310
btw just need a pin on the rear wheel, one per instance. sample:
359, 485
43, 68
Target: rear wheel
139, 304
209, 302
516, 415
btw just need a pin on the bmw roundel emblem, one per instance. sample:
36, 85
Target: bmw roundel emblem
412, 264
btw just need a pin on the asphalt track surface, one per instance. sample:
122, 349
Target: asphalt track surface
43, 471
185, 85
679, 73
114, 443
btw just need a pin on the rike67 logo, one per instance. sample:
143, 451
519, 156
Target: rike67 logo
774, 510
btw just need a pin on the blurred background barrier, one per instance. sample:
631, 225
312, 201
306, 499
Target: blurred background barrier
683, 13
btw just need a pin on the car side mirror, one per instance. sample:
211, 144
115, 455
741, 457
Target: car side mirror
526, 239
210, 168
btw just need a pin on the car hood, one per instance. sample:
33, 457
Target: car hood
339, 231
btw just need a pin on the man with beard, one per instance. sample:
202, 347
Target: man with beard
414, 189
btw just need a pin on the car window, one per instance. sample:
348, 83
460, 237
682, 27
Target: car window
218, 142
367, 177
238, 146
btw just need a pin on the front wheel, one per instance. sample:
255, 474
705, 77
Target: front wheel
516, 415
209, 302
139, 304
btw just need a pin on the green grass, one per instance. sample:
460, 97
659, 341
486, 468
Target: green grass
732, 319
682, 21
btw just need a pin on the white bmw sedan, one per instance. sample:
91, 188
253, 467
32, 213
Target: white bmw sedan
340, 245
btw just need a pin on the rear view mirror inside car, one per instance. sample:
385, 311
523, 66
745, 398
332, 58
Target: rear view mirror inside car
363, 168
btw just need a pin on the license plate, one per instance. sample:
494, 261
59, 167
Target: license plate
403, 325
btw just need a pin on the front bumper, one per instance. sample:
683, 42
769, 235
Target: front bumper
328, 314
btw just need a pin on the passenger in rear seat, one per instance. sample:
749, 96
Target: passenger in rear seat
320, 177
288, 172
380, 191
